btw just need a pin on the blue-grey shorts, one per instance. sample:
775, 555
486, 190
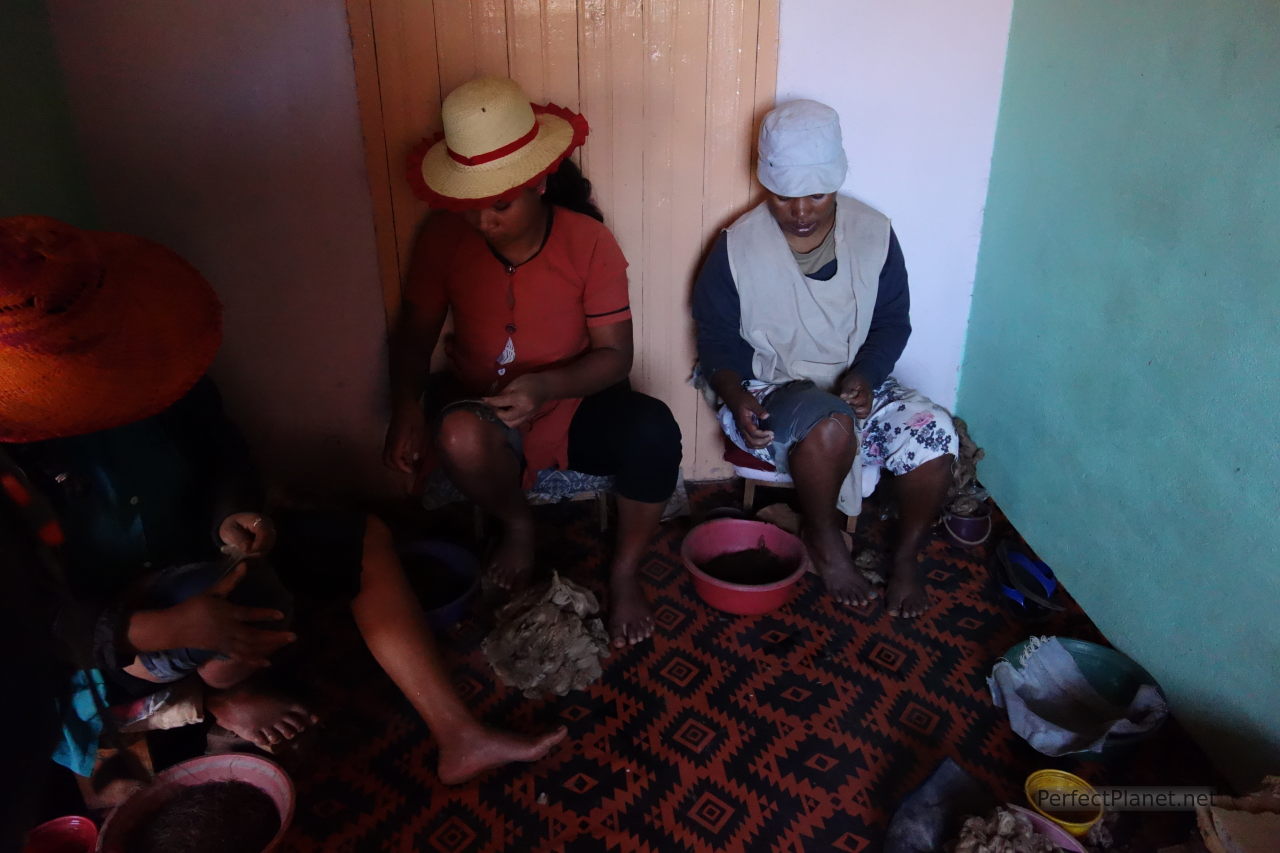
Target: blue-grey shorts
794, 410
485, 412
260, 587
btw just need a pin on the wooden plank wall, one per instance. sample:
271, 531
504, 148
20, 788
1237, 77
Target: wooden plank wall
673, 90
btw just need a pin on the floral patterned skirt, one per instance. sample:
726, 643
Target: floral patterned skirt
904, 430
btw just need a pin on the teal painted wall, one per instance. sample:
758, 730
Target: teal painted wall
1122, 364
40, 170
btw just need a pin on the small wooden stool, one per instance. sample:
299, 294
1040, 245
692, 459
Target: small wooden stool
756, 472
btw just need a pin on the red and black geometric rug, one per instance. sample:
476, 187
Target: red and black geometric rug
797, 730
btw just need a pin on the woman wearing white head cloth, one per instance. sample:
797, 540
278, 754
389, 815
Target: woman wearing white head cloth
802, 310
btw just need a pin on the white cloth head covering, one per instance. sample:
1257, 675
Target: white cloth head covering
801, 152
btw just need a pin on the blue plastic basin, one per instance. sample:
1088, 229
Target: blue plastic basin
446, 577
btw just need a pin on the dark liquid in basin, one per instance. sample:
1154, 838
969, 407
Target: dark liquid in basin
216, 817
752, 567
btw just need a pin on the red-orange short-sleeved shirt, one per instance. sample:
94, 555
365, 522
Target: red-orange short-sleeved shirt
541, 308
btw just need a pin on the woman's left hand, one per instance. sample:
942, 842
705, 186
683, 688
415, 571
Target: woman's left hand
857, 392
520, 400
249, 534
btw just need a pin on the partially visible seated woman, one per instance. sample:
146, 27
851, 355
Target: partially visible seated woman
103, 347
542, 343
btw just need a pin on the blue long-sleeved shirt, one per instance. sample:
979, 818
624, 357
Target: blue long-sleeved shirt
717, 312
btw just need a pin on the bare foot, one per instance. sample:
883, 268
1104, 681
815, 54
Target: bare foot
512, 562
469, 753
264, 719
906, 596
833, 561
111, 794
630, 619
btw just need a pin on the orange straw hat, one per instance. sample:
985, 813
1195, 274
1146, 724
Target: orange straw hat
495, 143
97, 330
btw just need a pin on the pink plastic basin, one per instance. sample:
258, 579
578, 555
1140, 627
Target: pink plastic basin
70, 834
228, 767
726, 535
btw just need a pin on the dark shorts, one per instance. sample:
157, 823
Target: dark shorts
485, 412
617, 432
631, 437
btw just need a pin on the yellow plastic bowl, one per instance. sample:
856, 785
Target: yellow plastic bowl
1075, 821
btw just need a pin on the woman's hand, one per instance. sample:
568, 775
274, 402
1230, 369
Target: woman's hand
208, 621
405, 436
751, 417
856, 391
520, 400
249, 534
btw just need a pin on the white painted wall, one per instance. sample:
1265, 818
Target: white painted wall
917, 85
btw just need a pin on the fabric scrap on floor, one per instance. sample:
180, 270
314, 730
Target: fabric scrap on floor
548, 640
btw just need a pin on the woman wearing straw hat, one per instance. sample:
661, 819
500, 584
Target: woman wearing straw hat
541, 344
104, 340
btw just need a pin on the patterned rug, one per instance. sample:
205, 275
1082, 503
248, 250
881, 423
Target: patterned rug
797, 730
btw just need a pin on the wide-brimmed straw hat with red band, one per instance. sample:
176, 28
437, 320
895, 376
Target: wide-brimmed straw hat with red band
97, 329
495, 143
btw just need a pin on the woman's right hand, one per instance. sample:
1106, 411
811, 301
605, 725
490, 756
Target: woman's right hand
748, 413
208, 621
405, 436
